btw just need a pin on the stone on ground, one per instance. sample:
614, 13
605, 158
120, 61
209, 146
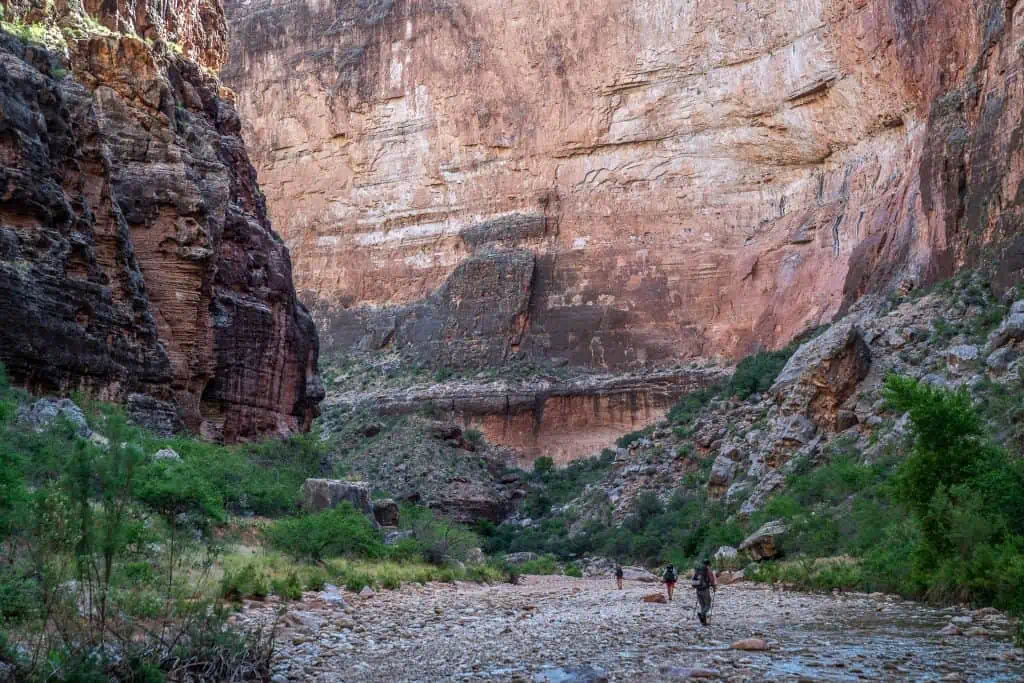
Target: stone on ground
751, 645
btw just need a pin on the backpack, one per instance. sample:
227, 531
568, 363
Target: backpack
670, 575
700, 578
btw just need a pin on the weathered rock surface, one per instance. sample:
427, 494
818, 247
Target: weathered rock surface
543, 416
137, 262
763, 544
693, 179
44, 412
385, 511
323, 494
821, 375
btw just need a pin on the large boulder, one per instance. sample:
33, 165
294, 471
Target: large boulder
46, 411
385, 511
520, 558
763, 544
1011, 329
324, 494
823, 373
770, 482
723, 471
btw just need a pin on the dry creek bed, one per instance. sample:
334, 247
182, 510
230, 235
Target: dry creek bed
560, 629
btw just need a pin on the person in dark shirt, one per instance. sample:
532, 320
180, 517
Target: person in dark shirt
705, 582
670, 578
618, 575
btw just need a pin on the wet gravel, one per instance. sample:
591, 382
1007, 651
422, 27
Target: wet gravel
565, 629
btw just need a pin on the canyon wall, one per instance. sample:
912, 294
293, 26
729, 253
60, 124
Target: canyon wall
137, 261
692, 178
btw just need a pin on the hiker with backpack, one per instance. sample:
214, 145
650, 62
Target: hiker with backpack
618, 575
705, 582
670, 578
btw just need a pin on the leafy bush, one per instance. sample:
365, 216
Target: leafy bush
543, 465
474, 436
288, 588
439, 539
331, 533
247, 582
573, 570
756, 374
542, 566
626, 440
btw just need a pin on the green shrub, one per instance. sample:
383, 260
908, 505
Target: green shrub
626, 440
249, 581
573, 570
474, 436
542, 566
316, 579
331, 533
756, 374
289, 587
543, 465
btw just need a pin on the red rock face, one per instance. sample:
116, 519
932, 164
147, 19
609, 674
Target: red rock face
137, 262
695, 179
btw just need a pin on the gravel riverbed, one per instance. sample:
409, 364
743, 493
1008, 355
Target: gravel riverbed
564, 629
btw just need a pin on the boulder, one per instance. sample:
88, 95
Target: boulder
961, 358
45, 411
823, 373
723, 471
726, 553
367, 592
475, 556
324, 494
950, 630
639, 574
751, 645
999, 360
763, 544
795, 430
728, 578
167, 454
520, 558
658, 598
385, 511
1011, 329
393, 537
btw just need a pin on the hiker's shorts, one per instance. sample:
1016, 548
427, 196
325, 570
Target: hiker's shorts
704, 598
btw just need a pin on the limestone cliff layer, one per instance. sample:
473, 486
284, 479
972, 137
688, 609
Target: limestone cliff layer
137, 262
691, 178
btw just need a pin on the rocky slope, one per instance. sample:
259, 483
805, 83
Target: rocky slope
137, 261
827, 401
543, 415
627, 181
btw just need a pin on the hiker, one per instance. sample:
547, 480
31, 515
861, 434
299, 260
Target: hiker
670, 580
705, 582
618, 575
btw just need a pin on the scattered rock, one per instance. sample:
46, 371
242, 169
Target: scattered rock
678, 673
99, 441
475, 556
575, 674
45, 411
367, 592
1000, 359
763, 544
950, 630
658, 598
750, 645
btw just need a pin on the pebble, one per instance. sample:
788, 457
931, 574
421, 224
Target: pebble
555, 625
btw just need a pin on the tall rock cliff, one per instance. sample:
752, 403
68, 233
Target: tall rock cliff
137, 262
687, 178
